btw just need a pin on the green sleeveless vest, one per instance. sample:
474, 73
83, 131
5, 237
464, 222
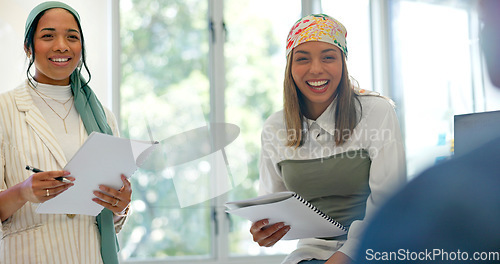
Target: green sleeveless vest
337, 185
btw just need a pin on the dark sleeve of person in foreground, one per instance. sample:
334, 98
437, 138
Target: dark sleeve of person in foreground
448, 214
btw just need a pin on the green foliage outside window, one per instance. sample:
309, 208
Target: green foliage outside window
165, 77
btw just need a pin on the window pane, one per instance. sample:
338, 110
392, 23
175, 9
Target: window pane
164, 89
255, 66
433, 68
355, 16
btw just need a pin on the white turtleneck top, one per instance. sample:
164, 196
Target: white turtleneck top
52, 99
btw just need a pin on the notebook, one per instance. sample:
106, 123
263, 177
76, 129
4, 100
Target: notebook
100, 160
474, 130
305, 220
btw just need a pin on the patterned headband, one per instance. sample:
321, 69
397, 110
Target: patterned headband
318, 27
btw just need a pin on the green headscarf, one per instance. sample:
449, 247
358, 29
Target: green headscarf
94, 119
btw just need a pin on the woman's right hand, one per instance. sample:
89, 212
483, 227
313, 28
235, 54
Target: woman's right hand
43, 186
267, 236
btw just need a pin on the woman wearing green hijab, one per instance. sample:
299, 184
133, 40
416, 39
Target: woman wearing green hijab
43, 122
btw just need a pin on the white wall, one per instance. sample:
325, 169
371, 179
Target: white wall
94, 18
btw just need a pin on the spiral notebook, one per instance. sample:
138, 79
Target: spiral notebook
304, 219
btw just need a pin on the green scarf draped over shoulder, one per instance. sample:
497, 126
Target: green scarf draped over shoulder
94, 119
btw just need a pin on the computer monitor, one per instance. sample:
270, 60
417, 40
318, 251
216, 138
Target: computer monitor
474, 130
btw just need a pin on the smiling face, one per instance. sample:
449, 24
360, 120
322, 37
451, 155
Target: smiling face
317, 71
58, 47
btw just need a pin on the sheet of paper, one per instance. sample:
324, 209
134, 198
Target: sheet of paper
304, 222
99, 161
263, 199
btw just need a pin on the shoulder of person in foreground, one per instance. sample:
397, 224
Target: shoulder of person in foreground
452, 206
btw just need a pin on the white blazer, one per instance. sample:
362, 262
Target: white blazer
28, 237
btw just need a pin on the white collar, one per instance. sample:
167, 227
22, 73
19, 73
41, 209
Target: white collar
326, 121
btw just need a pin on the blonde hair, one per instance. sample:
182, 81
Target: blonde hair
293, 107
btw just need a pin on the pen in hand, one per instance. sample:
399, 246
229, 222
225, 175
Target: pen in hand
35, 170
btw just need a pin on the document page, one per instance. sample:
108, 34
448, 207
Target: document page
100, 161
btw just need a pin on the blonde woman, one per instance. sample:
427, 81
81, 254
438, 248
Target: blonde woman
335, 145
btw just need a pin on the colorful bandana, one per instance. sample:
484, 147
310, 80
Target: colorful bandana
318, 27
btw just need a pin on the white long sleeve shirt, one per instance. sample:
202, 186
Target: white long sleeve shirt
377, 132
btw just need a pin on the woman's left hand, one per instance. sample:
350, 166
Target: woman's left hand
115, 200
